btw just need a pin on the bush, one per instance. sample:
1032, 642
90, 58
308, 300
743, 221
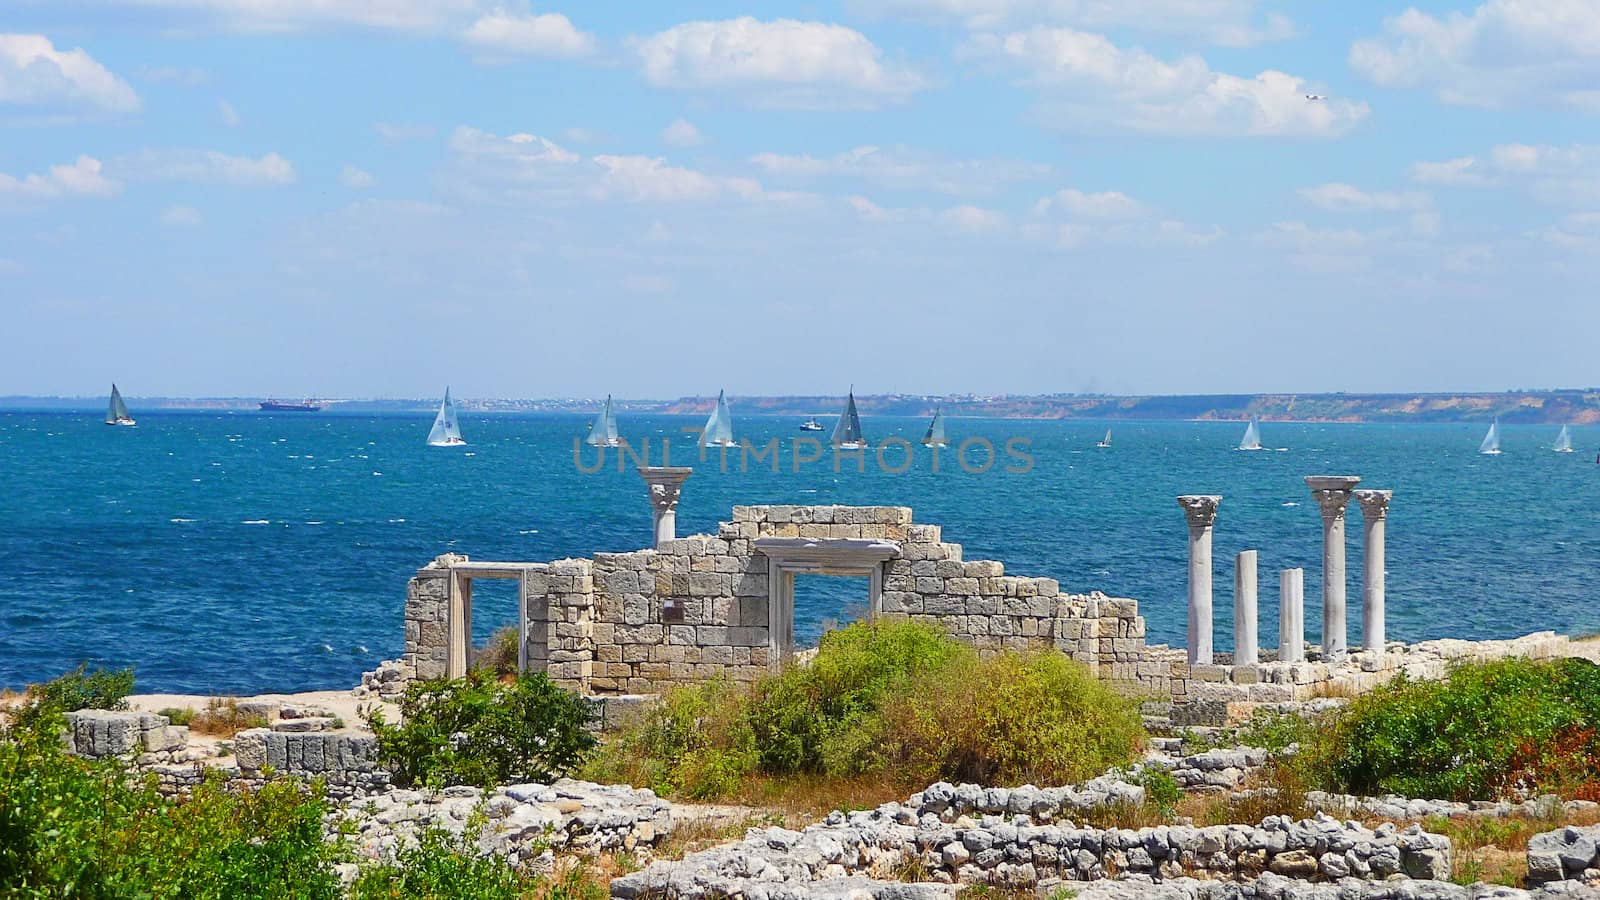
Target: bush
1008, 719
884, 699
498, 655
74, 828
441, 867
1488, 730
477, 731
78, 689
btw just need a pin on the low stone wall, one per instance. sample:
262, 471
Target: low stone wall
1402, 808
347, 762
1022, 852
525, 823
1276, 887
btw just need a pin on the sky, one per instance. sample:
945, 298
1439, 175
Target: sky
376, 198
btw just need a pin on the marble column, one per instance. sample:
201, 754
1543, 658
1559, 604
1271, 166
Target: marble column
1332, 493
1201, 511
1374, 510
665, 482
1292, 615
1244, 609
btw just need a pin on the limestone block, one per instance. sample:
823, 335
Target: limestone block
711, 635
753, 611
923, 534
747, 636
930, 584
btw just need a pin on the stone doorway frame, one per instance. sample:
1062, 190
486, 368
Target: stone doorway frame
458, 658
788, 557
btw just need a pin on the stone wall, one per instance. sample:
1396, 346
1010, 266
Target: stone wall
346, 762
701, 606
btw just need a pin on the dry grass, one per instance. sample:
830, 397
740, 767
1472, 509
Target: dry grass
692, 837
220, 718
802, 799
1494, 848
1334, 690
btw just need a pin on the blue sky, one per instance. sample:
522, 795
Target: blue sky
376, 197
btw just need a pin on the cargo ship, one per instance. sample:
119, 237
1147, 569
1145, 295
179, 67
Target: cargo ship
290, 406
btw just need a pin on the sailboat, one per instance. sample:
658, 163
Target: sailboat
1491, 441
1563, 441
935, 435
1105, 441
603, 432
1252, 436
117, 413
847, 432
446, 430
719, 428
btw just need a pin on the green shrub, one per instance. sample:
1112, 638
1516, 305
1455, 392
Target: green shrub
498, 655
78, 689
75, 828
176, 716
895, 700
1160, 790
1008, 719
442, 867
477, 731
1488, 730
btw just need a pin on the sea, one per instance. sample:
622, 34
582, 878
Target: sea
252, 552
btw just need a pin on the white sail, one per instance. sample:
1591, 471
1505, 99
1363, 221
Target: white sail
1491, 440
446, 430
117, 412
935, 436
847, 432
1252, 436
719, 427
1106, 441
603, 433
1563, 441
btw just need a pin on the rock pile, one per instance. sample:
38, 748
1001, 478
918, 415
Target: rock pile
1570, 853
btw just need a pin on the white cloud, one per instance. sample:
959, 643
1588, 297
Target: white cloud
208, 166
548, 34
1579, 231
1560, 176
651, 180
82, 177
972, 218
1339, 197
904, 168
1503, 52
9, 266
397, 134
1464, 170
1089, 83
230, 116
1226, 22
556, 173
1076, 203
682, 133
33, 73
356, 179
866, 209
784, 63
181, 216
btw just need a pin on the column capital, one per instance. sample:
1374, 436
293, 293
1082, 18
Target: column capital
1332, 492
1374, 504
1200, 509
665, 484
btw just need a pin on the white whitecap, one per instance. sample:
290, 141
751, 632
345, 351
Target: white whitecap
180, 521
397, 520
255, 522
1290, 503
313, 523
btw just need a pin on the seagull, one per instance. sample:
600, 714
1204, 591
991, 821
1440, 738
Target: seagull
1315, 97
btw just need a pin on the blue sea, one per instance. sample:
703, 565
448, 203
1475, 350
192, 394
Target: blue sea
255, 552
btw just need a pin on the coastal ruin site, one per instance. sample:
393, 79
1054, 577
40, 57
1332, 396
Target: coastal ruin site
623, 629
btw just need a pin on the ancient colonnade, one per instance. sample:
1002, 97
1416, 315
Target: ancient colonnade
1333, 494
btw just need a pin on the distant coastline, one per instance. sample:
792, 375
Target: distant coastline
1560, 406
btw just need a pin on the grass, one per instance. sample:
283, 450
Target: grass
1494, 848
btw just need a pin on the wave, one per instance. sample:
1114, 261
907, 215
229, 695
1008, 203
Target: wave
256, 522
178, 520
397, 520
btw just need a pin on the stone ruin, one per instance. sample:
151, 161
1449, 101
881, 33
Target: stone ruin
621, 625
